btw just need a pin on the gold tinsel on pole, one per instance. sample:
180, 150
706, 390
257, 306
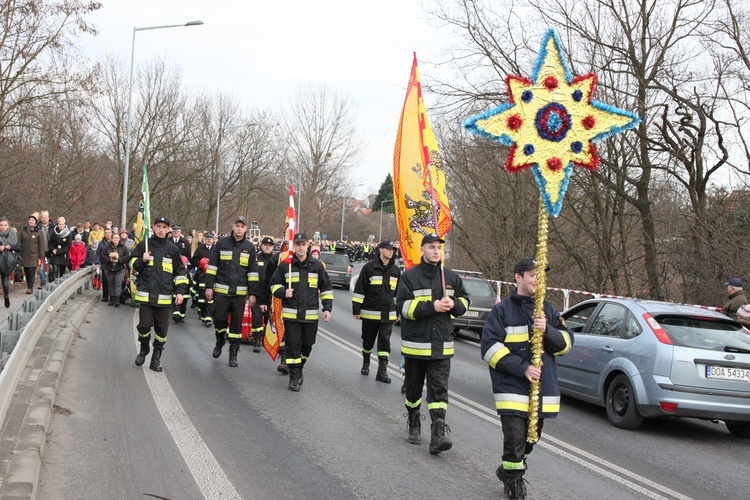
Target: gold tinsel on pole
537, 339
540, 113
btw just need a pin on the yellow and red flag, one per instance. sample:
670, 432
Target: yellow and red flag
418, 176
275, 327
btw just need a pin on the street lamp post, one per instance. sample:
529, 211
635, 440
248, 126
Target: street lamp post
218, 205
299, 203
130, 108
380, 235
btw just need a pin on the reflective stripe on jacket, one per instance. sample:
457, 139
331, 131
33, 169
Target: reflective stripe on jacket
308, 278
506, 348
232, 269
424, 332
163, 276
374, 296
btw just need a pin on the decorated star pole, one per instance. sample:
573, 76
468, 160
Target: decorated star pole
550, 123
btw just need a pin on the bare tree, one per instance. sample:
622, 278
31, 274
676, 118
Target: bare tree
664, 60
322, 147
37, 65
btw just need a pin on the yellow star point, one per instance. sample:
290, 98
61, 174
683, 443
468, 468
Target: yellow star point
551, 122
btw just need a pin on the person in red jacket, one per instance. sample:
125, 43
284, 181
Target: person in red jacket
77, 253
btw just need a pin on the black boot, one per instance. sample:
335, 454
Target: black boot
233, 350
282, 368
515, 487
414, 427
111, 301
220, 341
258, 343
141, 358
156, 360
300, 376
365, 363
382, 375
439, 441
293, 378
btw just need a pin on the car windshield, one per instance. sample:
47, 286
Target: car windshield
703, 333
335, 259
479, 288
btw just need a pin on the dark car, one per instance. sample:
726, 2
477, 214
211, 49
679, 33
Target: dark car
647, 359
482, 296
339, 268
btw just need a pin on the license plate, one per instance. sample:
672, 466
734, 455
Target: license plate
725, 373
472, 314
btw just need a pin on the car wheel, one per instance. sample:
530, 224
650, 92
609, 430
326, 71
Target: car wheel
622, 409
739, 429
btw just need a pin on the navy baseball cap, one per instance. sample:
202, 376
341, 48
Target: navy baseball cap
429, 238
526, 264
300, 237
163, 219
736, 282
267, 241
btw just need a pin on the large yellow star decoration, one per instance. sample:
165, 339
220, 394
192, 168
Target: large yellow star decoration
551, 122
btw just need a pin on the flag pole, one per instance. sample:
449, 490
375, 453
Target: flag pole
146, 206
435, 219
289, 278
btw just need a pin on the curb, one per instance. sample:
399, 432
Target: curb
24, 435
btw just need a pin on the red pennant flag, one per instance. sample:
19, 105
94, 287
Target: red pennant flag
275, 327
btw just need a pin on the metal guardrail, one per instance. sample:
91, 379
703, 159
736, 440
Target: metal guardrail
26, 325
569, 293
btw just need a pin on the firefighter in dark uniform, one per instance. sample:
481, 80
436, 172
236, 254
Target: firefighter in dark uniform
162, 279
204, 307
266, 302
179, 311
231, 280
203, 250
300, 305
373, 302
506, 348
427, 338
179, 240
266, 259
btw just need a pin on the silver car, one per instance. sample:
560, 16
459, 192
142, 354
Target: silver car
647, 359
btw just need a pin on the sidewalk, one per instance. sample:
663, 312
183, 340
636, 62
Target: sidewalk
24, 430
17, 296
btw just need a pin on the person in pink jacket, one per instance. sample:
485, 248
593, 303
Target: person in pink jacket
77, 253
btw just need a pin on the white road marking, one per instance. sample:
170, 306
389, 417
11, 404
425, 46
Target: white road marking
208, 474
595, 464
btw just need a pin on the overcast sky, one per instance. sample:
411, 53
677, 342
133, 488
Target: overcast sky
263, 52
